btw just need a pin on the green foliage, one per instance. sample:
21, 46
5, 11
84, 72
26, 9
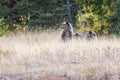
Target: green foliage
12, 15
41, 12
3, 27
101, 16
22, 26
96, 16
46, 12
116, 28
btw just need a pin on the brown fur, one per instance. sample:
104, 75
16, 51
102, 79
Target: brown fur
90, 35
67, 31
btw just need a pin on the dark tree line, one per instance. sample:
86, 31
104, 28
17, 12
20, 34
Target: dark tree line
101, 16
42, 12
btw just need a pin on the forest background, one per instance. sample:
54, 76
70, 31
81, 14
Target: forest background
101, 16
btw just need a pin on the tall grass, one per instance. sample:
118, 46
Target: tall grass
46, 53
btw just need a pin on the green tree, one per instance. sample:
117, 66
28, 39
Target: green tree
96, 15
3, 27
47, 12
116, 28
40, 12
11, 11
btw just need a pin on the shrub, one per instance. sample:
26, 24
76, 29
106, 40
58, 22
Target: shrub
116, 28
91, 21
95, 17
3, 27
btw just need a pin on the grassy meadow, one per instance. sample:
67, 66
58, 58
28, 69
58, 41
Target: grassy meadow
41, 55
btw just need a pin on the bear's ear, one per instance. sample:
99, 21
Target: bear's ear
67, 22
76, 34
90, 32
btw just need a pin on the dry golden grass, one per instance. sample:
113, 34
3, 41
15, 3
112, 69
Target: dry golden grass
45, 53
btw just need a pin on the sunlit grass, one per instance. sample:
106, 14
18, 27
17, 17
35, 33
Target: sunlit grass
44, 52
